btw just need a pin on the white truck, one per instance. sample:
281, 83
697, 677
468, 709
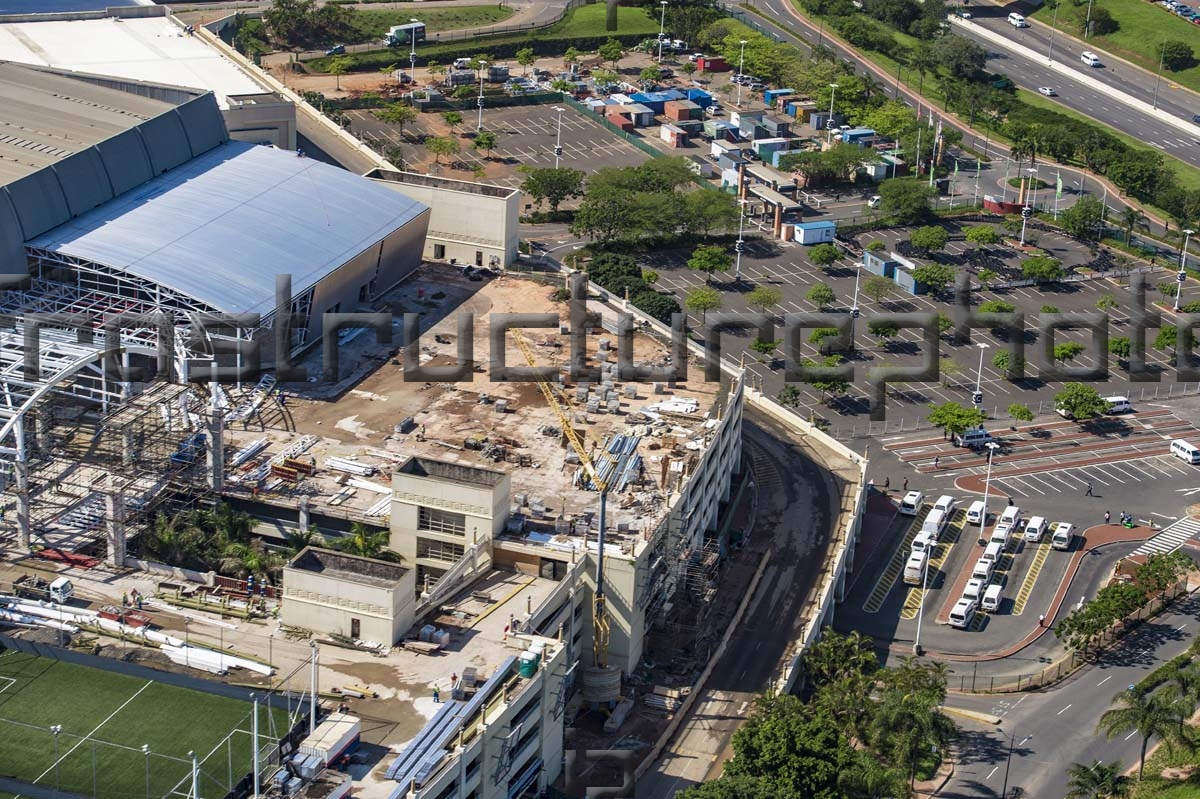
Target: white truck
30, 586
333, 739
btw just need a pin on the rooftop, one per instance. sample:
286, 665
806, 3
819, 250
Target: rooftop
221, 226
424, 467
447, 184
151, 49
46, 116
349, 567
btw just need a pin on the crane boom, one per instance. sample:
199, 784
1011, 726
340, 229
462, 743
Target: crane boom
600, 627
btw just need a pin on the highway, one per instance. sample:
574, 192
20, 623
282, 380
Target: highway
1062, 720
1028, 73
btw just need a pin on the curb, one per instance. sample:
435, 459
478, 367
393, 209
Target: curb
982, 718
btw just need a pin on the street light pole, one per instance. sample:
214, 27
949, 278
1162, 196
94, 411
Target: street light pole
977, 397
832, 94
662, 21
854, 305
1087, 24
1011, 745
1158, 77
412, 52
558, 139
740, 244
992, 446
479, 101
1182, 276
921, 606
1053, 26
741, 72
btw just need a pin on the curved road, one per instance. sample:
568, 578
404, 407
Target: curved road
1062, 720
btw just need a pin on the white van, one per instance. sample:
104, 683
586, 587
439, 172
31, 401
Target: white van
983, 569
1184, 451
992, 597
1011, 516
1017, 21
963, 613
1035, 529
993, 552
975, 512
935, 523
1063, 533
1000, 535
1118, 405
1090, 58
914, 568
912, 503
462, 63
973, 589
924, 540
946, 504
973, 439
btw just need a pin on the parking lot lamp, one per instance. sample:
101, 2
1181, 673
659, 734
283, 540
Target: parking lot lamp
740, 244
741, 72
483, 71
977, 397
832, 94
558, 139
1012, 744
854, 304
1182, 276
412, 52
924, 585
662, 20
992, 446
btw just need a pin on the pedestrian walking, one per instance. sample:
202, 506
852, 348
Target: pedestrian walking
1089, 491
1042, 620
454, 678
887, 483
1107, 516
1010, 502
936, 458
437, 695
905, 485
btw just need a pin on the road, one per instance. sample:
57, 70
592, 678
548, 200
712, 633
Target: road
1062, 720
786, 479
1031, 73
783, 21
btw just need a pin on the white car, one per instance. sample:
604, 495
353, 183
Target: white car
964, 15
1047, 91
874, 201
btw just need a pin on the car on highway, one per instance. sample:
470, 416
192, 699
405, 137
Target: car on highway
1196, 119
1046, 90
961, 14
1090, 58
337, 49
1195, 20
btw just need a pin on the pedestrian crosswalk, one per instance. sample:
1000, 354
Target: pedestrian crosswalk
1171, 538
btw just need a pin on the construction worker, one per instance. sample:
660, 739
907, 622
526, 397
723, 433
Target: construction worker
437, 695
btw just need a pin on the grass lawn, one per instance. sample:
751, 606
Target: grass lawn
374, 24
105, 719
589, 21
1144, 26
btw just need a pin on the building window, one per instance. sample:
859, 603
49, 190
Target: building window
441, 521
439, 251
439, 550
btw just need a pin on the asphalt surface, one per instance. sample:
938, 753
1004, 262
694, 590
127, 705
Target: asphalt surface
1062, 720
786, 479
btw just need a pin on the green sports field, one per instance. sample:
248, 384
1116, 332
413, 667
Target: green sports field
106, 718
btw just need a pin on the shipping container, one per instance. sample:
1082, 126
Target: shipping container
335, 737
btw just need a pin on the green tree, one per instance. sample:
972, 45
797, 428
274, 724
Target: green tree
1042, 268
552, 185
935, 277
604, 215
338, 67
733, 787
788, 396
604, 77
929, 239
452, 119
702, 300
1178, 56
660, 306
484, 140
526, 58
954, 418
1068, 351
705, 214
982, 235
649, 74
1168, 337
299, 539
687, 68
820, 295
570, 56
875, 245
1161, 571
397, 114
1082, 219
1106, 302
986, 277
764, 297
1133, 218
960, 56
1081, 402
442, 145
907, 201
249, 559
1012, 367
1020, 412
878, 288
363, 541
1097, 781
838, 655
1148, 715
996, 306
883, 329
944, 323
611, 51
829, 387
763, 346
824, 255
1120, 346
709, 258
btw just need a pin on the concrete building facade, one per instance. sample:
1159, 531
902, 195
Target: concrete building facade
338, 594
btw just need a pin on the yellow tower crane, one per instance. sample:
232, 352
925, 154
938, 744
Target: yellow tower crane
599, 611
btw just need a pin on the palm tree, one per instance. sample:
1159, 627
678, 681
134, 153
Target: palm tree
1097, 781
836, 656
866, 777
1132, 218
252, 559
1184, 689
165, 541
299, 539
234, 525
1146, 714
366, 542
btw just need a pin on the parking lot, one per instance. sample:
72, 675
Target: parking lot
525, 137
786, 266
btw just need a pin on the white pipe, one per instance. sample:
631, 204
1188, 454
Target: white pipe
313, 706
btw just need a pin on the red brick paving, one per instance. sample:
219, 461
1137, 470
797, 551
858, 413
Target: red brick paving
1093, 537
877, 520
895, 445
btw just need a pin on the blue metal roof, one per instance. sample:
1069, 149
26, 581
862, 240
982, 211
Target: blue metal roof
816, 225
220, 227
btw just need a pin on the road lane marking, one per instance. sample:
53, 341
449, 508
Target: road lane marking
1130, 735
1064, 710
1022, 699
1106, 679
1180, 627
990, 773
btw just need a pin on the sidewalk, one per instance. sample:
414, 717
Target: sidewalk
878, 515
